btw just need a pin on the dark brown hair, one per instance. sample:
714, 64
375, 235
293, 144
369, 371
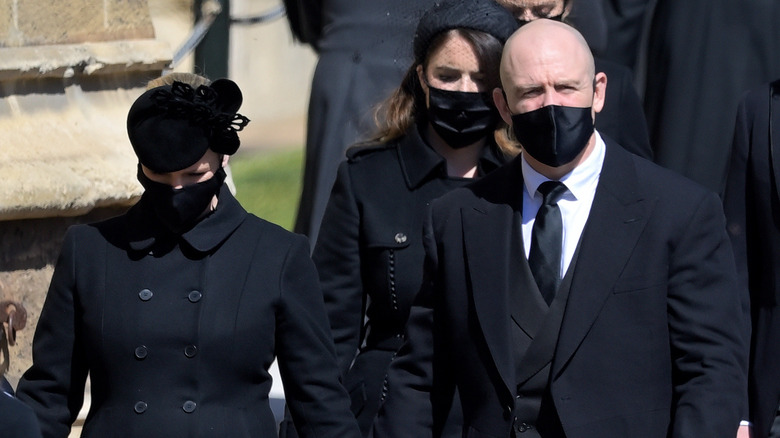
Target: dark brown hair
406, 106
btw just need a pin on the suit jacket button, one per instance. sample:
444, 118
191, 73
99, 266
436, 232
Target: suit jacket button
140, 407
400, 238
145, 295
194, 296
141, 352
189, 406
523, 427
190, 351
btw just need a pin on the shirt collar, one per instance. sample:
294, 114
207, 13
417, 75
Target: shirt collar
420, 162
581, 179
143, 230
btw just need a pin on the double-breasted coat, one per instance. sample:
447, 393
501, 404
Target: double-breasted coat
751, 206
177, 333
370, 255
651, 342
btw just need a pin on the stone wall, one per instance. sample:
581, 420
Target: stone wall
69, 71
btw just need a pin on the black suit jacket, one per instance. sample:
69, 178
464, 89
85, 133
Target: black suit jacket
751, 205
178, 333
651, 341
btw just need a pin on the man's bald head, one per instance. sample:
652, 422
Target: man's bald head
545, 42
546, 63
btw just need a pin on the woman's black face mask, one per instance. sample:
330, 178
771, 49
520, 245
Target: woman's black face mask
461, 118
179, 209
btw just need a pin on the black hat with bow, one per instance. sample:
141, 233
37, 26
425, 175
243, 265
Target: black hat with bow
171, 127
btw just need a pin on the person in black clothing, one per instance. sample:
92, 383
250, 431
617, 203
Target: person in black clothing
17, 420
622, 118
438, 134
750, 204
177, 308
362, 51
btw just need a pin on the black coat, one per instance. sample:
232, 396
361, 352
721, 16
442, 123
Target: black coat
650, 344
177, 333
751, 205
364, 49
17, 420
370, 254
622, 118
702, 56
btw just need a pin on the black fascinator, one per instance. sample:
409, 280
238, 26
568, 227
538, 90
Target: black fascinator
172, 126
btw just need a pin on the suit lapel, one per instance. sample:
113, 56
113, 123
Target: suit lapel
616, 220
491, 260
489, 275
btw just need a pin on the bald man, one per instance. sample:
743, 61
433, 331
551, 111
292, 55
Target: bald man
624, 325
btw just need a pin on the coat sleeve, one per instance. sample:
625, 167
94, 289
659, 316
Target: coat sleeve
337, 257
707, 325
735, 200
54, 385
419, 386
317, 401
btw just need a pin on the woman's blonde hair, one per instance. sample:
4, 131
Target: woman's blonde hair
190, 79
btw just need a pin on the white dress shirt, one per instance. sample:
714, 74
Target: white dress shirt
575, 203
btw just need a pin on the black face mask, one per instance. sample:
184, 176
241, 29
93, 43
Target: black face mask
554, 135
461, 118
179, 209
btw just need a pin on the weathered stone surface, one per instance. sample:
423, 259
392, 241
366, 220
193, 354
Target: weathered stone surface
28, 251
37, 22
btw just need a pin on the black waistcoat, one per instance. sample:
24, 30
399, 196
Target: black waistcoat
535, 335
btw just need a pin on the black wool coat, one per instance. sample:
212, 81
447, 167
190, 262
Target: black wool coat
751, 206
364, 48
177, 333
370, 254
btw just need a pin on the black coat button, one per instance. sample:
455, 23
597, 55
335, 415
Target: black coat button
523, 427
141, 352
190, 351
195, 296
145, 295
140, 407
189, 406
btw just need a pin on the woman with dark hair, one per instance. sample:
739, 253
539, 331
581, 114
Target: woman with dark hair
437, 134
177, 308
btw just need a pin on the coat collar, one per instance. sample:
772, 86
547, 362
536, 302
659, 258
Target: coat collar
144, 230
419, 162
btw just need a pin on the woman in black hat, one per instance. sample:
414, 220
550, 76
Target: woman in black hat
177, 308
438, 135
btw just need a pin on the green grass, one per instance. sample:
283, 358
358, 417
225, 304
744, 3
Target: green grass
268, 184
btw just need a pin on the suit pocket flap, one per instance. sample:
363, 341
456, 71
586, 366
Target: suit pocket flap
638, 283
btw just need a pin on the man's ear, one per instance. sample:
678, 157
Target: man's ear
225, 159
599, 91
499, 100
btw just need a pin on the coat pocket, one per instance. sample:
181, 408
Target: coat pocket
641, 283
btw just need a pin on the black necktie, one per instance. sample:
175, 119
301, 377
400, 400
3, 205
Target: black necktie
546, 241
